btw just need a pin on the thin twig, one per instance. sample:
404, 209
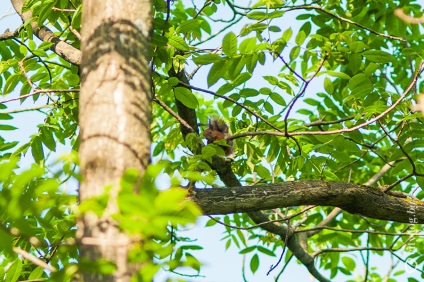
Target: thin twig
262, 223
21, 66
367, 260
391, 186
396, 141
318, 8
340, 250
35, 108
233, 101
302, 91
357, 231
38, 92
64, 10
172, 113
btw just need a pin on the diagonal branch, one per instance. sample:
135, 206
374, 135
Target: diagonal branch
33, 259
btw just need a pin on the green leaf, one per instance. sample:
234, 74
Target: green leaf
216, 72
48, 139
206, 59
6, 240
14, 271
37, 149
256, 15
311, 102
247, 45
212, 222
185, 96
357, 46
277, 98
242, 78
23, 50
300, 37
178, 43
254, 263
7, 127
266, 251
7, 146
188, 26
328, 86
355, 62
274, 28
208, 152
306, 28
45, 12
294, 53
371, 68
227, 87
11, 83
31, 45
40, 53
338, 74
378, 56
36, 273
229, 44
359, 80
349, 263
287, 34
247, 250
167, 201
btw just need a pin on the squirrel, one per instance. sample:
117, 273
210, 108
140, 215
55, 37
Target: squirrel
218, 130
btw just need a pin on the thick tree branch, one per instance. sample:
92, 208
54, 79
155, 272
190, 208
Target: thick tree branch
63, 49
352, 198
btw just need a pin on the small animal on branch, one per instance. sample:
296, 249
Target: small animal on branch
218, 130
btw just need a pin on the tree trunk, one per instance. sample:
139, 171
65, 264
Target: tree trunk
114, 118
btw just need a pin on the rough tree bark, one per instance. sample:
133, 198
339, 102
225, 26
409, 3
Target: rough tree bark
114, 119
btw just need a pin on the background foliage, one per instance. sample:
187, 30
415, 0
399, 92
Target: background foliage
330, 94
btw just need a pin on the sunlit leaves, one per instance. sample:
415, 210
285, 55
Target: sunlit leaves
360, 86
229, 44
14, 271
206, 59
11, 83
378, 56
216, 72
178, 43
158, 209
